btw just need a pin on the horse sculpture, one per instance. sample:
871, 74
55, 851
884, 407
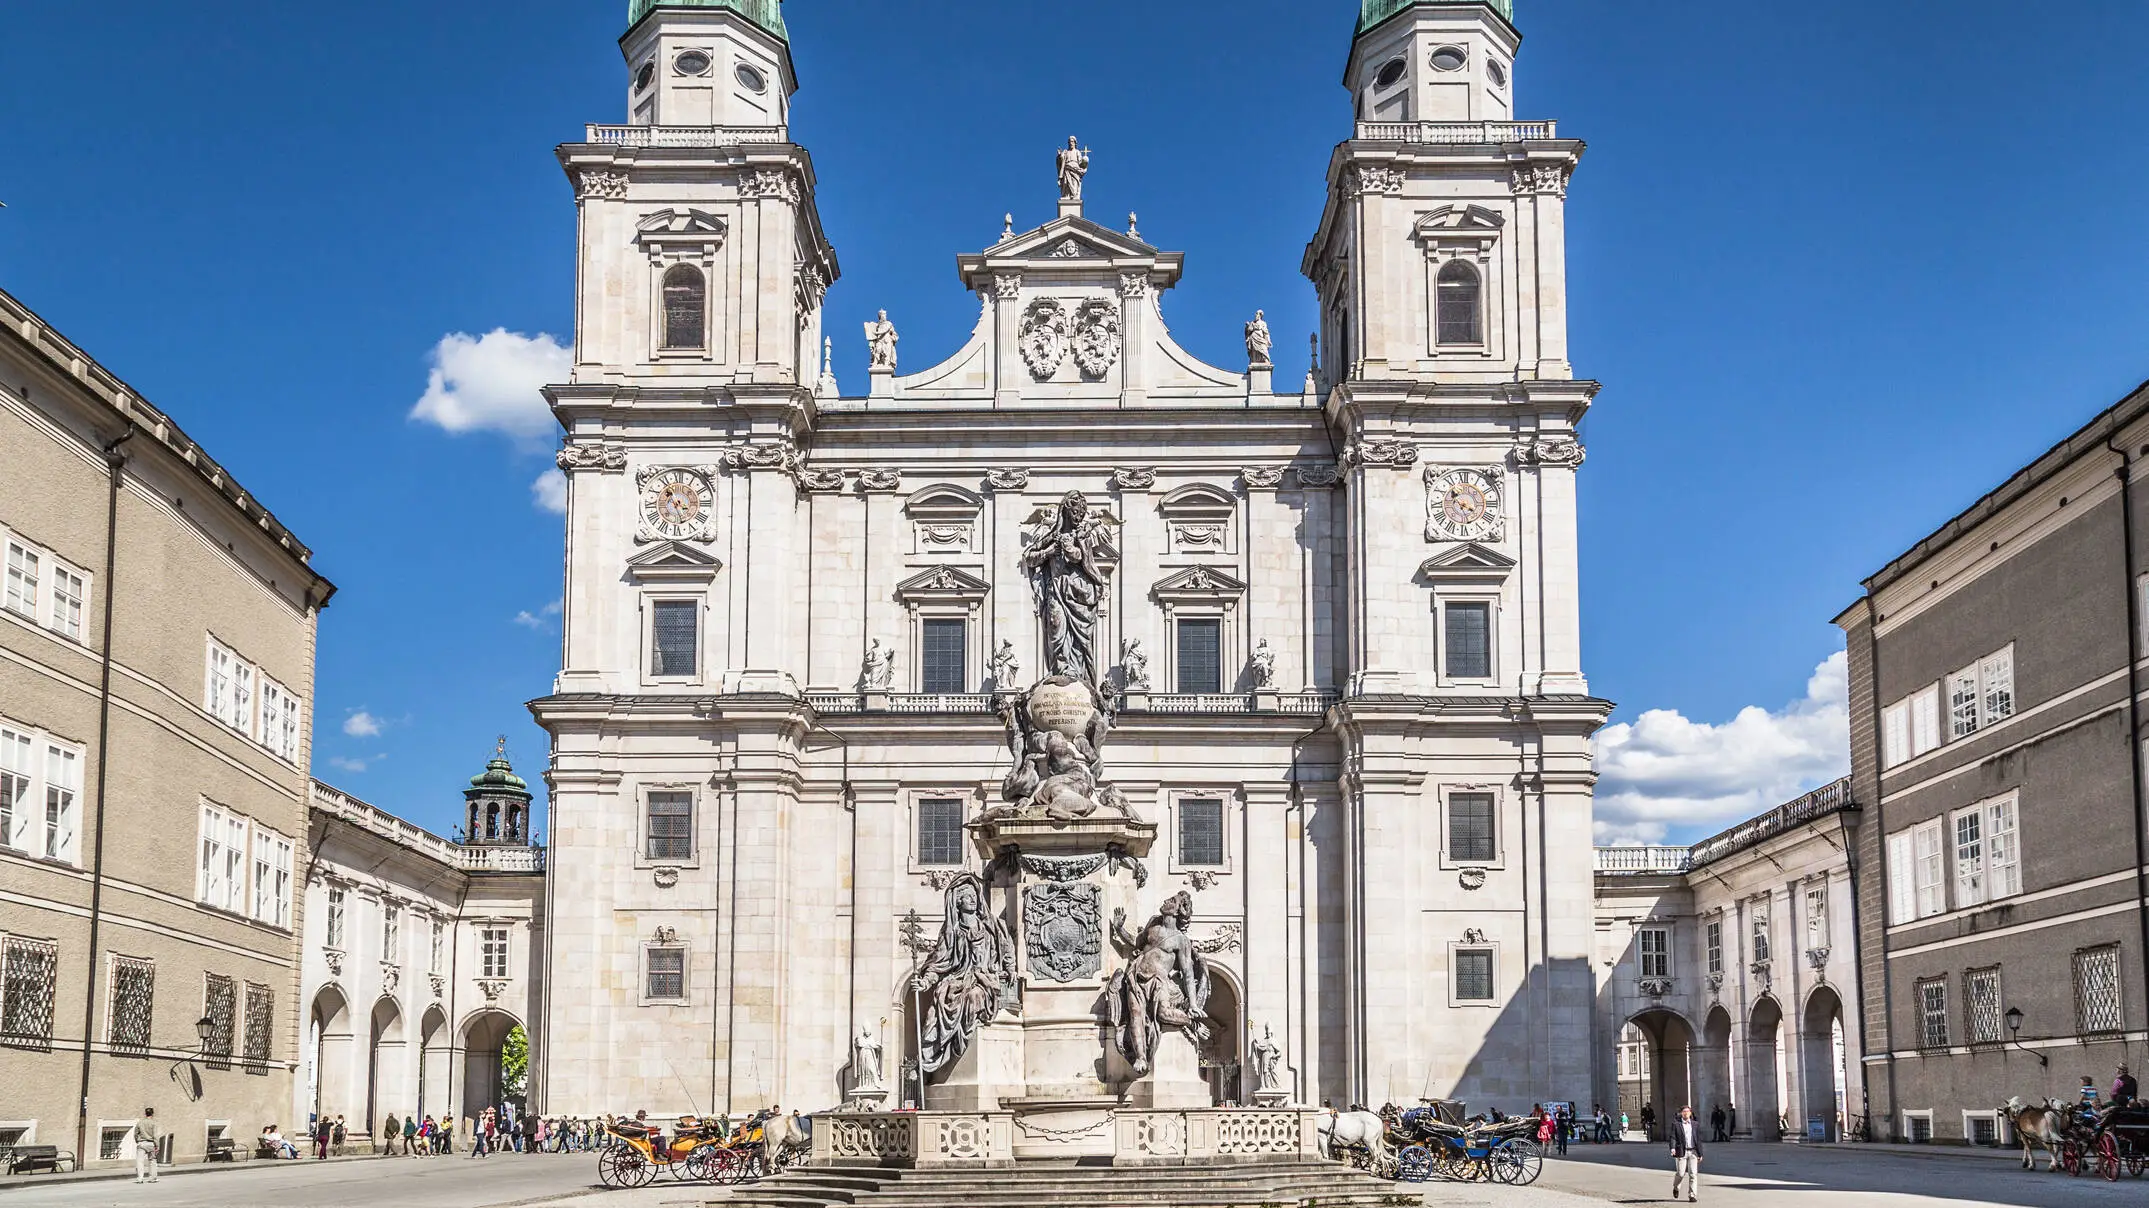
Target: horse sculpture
2037, 1128
1355, 1130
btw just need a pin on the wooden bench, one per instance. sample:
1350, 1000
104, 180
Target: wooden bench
30, 1159
222, 1149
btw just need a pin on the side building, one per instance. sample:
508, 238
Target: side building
1727, 974
157, 631
421, 957
1995, 726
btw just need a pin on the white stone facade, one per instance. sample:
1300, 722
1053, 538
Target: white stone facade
410, 1018
784, 606
1745, 991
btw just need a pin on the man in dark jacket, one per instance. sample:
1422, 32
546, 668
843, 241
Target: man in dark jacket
1716, 1123
1685, 1154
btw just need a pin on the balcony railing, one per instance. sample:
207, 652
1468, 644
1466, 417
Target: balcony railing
1819, 803
1636, 859
1303, 704
500, 859
417, 838
684, 136
1452, 134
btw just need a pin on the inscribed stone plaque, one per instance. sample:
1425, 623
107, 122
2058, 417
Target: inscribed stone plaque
1066, 708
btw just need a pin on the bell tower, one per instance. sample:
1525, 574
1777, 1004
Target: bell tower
1434, 61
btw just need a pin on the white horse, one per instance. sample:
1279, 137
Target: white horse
1355, 1130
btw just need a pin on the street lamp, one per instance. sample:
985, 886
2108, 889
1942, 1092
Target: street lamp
2014, 1033
205, 1027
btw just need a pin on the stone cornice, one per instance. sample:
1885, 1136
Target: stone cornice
745, 159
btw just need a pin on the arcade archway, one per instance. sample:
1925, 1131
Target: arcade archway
1822, 1063
334, 1049
1767, 1070
1666, 1081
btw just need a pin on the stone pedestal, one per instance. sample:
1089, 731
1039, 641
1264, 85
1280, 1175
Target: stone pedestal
1174, 1079
988, 1071
882, 383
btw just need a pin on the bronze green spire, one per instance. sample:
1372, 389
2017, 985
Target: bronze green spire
1373, 12
768, 14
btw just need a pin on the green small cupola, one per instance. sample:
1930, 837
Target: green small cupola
497, 804
768, 14
1373, 12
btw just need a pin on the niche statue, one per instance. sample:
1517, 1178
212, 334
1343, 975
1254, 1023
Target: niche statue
1164, 984
970, 978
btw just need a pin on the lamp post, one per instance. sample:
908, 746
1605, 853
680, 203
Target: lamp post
205, 1027
2014, 1033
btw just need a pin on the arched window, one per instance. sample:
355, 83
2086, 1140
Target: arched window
686, 307
1457, 313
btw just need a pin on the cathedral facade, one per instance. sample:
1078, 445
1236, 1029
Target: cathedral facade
1334, 621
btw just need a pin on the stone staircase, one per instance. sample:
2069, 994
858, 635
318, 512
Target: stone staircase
1068, 1185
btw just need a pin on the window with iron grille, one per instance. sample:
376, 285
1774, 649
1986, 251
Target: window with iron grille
667, 973
671, 825
1652, 945
1981, 1004
673, 637
29, 969
220, 1002
1201, 655
1201, 830
940, 830
686, 305
1470, 828
1715, 937
1469, 640
492, 952
260, 1023
134, 983
1933, 1014
942, 663
2096, 990
1473, 975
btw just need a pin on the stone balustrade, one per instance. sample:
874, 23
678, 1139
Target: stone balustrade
1141, 1137
914, 1140
684, 136
1638, 859
1456, 134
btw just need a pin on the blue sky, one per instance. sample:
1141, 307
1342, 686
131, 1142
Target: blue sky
1841, 267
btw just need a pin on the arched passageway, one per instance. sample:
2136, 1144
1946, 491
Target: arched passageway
1665, 1082
1221, 1059
334, 1050
484, 1035
384, 1067
1822, 1064
1767, 1070
1714, 1085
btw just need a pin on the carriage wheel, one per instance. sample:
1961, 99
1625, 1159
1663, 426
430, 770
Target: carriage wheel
623, 1167
1414, 1164
2137, 1161
2108, 1158
700, 1164
2070, 1155
1519, 1162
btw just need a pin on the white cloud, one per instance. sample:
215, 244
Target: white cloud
541, 618
549, 492
491, 383
362, 724
1663, 771
353, 766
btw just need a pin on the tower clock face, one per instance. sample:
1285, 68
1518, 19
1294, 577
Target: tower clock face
676, 503
1463, 505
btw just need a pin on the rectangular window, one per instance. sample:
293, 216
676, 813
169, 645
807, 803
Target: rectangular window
280, 712
1895, 734
941, 663
667, 973
1930, 848
391, 932
940, 831
260, 1026
1996, 675
1963, 698
1925, 721
1816, 917
216, 693
134, 984
22, 565
1714, 934
16, 769
1653, 946
29, 970
440, 945
1761, 949
1902, 876
492, 952
68, 591
242, 699
1471, 837
221, 877
1981, 999
1969, 857
111, 1140
673, 638
1201, 655
335, 918
2096, 990
1473, 974
1933, 1014
264, 873
63, 793
671, 826
1201, 830
220, 1005
2003, 849
1468, 639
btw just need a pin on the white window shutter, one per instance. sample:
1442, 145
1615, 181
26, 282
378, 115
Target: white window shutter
1902, 883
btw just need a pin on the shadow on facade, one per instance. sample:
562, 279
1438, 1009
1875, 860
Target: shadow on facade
1527, 1056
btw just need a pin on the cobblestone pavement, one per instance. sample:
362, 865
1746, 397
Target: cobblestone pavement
456, 1181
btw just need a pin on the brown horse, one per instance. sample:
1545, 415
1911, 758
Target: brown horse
2037, 1128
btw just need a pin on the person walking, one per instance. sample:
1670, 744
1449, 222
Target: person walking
410, 1136
322, 1128
145, 1146
1565, 1128
391, 1129
1685, 1155
1716, 1123
338, 1136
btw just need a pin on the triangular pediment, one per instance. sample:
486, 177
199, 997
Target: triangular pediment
943, 583
1070, 244
673, 560
1469, 558
1203, 581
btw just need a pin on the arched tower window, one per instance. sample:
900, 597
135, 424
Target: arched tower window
1459, 307
686, 307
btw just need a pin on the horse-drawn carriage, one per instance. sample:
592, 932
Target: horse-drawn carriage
1436, 1140
700, 1150
2107, 1142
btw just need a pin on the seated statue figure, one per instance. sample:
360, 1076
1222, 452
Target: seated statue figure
1164, 984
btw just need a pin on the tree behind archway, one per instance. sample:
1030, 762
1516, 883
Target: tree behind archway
515, 1063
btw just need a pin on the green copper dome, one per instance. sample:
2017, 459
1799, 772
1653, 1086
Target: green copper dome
768, 14
1373, 12
498, 780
